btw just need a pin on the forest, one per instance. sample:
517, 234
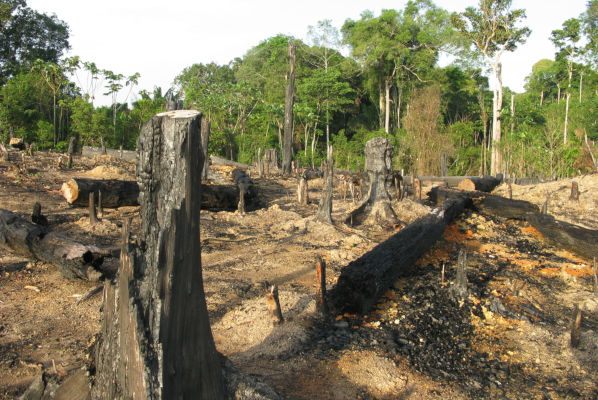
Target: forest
375, 76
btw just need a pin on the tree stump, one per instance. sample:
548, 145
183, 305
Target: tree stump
376, 205
574, 192
324, 213
155, 340
302, 190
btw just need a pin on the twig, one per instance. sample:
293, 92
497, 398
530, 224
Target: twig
90, 294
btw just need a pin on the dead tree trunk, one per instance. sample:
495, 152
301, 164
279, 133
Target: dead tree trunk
155, 340
73, 259
115, 193
302, 190
245, 185
271, 162
364, 280
376, 205
324, 213
287, 147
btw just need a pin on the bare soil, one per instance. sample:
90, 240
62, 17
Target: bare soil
509, 338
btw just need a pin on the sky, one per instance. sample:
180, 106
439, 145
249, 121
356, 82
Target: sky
160, 38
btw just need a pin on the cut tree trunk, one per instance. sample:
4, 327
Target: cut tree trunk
155, 340
73, 259
115, 193
376, 205
485, 184
363, 281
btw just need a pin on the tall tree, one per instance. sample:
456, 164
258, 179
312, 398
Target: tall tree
27, 35
566, 41
493, 29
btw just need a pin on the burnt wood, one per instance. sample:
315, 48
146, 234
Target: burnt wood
574, 238
115, 192
73, 259
363, 281
155, 340
484, 184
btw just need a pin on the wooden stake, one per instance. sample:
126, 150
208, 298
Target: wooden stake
321, 305
417, 188
575, 327
442, 275
92, 209
545, 205
595, 277
574, 191
100, 207
273, 304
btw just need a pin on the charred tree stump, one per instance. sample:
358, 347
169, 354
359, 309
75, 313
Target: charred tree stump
324, 213
116, 193
545, 205
73, 259
100, 205
155, 340
509, 191
321, 305
273, 303
363, 281
37, 217
459, 287
485, 184
70, 151
376, 205
574, 192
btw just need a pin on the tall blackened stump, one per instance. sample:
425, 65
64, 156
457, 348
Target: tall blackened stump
155, 340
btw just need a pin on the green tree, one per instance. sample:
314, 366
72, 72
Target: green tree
53, 76
493, 29
27, 35
114, 85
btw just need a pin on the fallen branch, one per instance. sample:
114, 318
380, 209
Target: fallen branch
73, 259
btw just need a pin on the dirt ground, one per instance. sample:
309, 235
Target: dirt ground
508, 339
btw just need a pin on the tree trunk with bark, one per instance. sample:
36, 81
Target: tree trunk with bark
155, 340
484, 184
324, 213
375, 207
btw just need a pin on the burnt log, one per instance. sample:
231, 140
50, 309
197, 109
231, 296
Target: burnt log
155, 340
574, 238
484, 184
73, 259
215, 160
486, 203
363, 281
115, 192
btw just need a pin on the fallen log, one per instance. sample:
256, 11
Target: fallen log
484, 184
215, 160
115, 192
579, 240
73, 259
485, 203
363, 281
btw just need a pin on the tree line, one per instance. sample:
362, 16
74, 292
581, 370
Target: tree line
376, 76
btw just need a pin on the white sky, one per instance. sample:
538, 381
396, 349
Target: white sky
160, 38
